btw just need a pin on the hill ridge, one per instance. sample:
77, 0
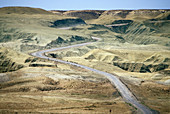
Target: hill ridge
23, 10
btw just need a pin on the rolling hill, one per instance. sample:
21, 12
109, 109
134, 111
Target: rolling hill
23, 10
134, 46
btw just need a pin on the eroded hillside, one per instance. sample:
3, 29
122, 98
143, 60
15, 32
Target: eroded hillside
10, 60
27, 32
133, 45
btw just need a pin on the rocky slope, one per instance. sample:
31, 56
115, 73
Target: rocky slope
28, 32
68, 22
134, 45
7, 65
108, 17
11, 60
84, 14
145, 33
131, 60
124, 27
116, 14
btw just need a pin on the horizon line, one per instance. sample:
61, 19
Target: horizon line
91, 9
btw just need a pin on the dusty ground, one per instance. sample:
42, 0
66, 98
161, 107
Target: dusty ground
43, 86
149, 88
153, 95
59, 90
150, 92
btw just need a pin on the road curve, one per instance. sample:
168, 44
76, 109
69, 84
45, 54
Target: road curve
124, 91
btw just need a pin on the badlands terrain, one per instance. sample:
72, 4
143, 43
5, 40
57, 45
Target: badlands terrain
134, 45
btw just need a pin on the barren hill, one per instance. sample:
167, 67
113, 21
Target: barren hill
134, 45
108, 16
23, 10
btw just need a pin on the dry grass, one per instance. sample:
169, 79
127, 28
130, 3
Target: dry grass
67, 88
153, 95
44, 94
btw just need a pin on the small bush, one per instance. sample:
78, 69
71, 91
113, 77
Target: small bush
50, 81
48, 88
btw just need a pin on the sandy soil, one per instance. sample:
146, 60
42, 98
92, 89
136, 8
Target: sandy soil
64, 89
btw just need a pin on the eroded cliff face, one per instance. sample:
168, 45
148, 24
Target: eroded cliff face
132, 61
12, 61
146, 13
134, 13
108, 16
119, 13
67, 22
7, 64
148, 33
141, 67
84, 14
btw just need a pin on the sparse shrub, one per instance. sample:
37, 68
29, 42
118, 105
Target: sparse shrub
31, 59
50, 81
48, 88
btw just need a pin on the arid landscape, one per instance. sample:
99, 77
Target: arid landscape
133, 45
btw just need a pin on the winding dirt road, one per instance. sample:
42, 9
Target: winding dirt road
124, 91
